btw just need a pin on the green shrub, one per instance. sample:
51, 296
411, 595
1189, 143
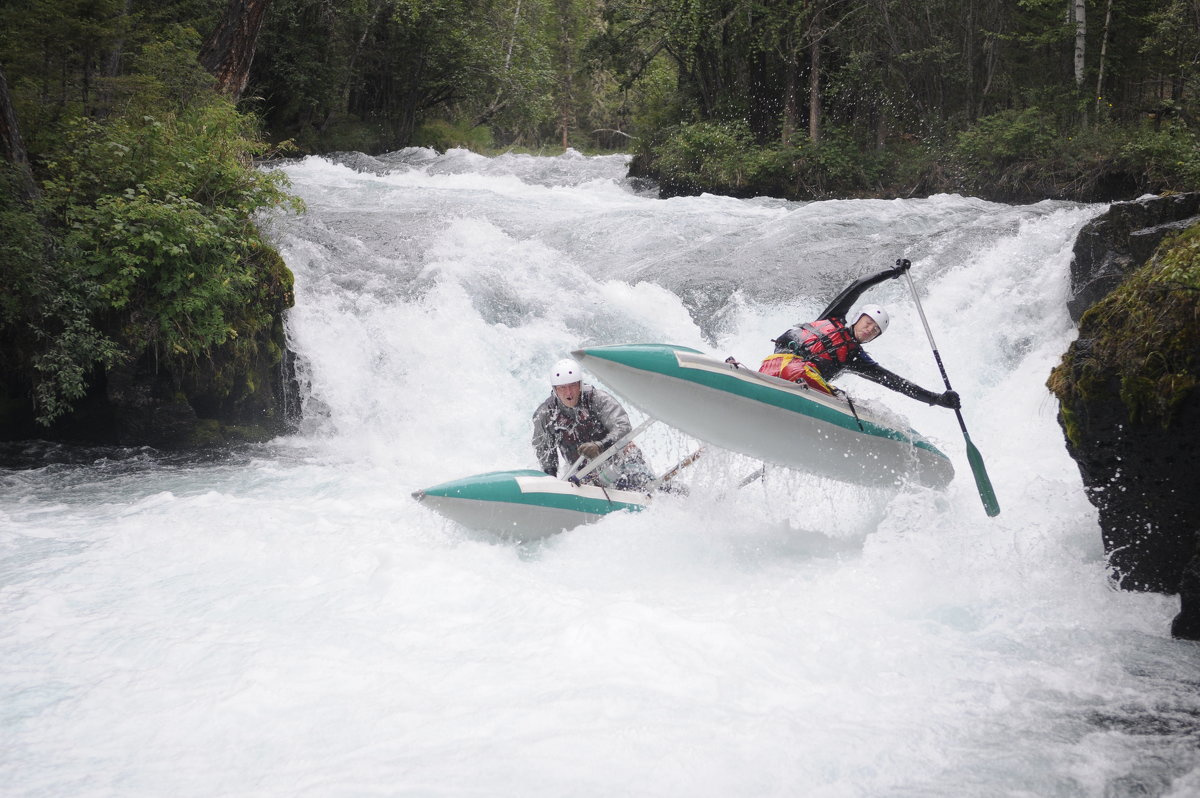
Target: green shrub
997, 141
46, 312
1167, 158
22, 245
150, 244
442, 135
718, 157
157, 212
166, 73
836, 166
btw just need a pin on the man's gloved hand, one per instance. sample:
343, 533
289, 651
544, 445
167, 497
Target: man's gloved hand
902, 265
589, 449
948, 399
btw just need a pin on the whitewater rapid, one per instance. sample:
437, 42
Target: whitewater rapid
284, 620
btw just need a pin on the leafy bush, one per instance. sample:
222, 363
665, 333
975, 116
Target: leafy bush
157, 212
836, 166
1167, 158
442, 135
151, 246
166, 73
999, 140
723, 158
719, 157
46, 311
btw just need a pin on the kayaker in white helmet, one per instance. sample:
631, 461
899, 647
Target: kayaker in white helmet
816, 352
580, 419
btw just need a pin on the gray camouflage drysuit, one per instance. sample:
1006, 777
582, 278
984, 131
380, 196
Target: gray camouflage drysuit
598, 417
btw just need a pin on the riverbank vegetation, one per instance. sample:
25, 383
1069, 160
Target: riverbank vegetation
1010, 101
1080, 99
127, 217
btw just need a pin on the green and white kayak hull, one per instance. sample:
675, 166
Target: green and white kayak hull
765, 417
525, 504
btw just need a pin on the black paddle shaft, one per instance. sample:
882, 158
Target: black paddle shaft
982, 481
906, 264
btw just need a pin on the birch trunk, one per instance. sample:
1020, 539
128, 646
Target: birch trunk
1103, 58
814, 81
1079, 16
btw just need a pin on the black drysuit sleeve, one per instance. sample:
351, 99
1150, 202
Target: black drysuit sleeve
864, 365
840, 306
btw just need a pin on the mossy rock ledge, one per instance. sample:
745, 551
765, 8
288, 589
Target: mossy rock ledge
243, 391
1127, 387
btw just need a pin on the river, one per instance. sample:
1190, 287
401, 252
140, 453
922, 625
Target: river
284, 620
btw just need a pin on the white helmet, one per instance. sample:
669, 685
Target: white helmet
877, 313
566, 371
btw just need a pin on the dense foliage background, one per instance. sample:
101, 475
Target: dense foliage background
129, 230
833, 95
1014, 99
135, 241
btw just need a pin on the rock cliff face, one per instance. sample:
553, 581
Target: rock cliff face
1130, 408
1112, 246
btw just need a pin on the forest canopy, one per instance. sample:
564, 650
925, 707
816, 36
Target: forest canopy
837, 96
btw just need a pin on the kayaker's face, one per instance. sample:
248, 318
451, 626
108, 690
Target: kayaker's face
569, 394
865, 329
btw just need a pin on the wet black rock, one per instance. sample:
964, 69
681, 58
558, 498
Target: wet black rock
1112, 246
1139, 469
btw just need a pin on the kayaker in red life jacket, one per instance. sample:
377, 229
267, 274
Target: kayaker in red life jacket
816, 352
578, 419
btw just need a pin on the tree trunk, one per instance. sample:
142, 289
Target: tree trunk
566, 77
1078, 15
1103, 58
969, 73
513, 38
789, 99
358, 48
229, 50
112, 62
814, 81
11, 145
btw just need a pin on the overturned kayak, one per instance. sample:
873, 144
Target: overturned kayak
765, 417
526, 504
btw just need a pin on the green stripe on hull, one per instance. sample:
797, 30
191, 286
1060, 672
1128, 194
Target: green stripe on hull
502, 486
661, 359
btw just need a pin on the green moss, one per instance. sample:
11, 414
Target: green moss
1144, 337
207, 432
246, 433
1070, 424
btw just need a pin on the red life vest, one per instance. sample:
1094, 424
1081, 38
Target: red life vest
827, 344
